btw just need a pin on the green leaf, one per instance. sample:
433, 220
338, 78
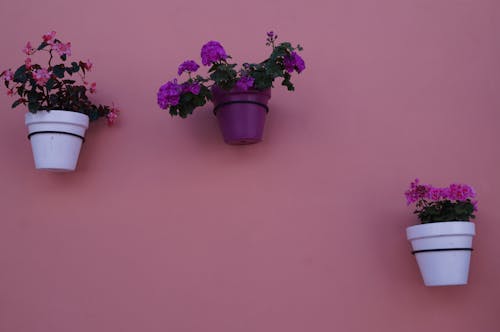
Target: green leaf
33, 107
63, 57
59, 70
50, 84
33, 97
17, 103
20, 75
42, 46
75, 67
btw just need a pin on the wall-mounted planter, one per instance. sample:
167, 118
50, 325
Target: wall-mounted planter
443, 251
56, 138
241, 114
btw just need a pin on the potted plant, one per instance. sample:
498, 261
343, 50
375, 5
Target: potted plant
240, 95
59, 108
442, 244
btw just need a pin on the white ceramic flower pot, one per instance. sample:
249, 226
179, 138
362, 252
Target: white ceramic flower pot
56, 138
443, 251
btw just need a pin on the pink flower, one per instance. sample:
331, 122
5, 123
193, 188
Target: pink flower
87, 65
434, 194
28, 49
27, 63
8, 75
41, 76
461, 192
92, 87
49, 37
112, 115
416, 192
62, 49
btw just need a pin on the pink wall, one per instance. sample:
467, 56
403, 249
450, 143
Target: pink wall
165, 228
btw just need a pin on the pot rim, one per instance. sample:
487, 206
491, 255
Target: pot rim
57, 116
441, 229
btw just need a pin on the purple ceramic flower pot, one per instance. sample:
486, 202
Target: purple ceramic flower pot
241, 114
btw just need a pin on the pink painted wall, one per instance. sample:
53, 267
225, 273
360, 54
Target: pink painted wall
165, 228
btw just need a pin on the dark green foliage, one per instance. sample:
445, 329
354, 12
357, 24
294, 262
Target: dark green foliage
224, 75
59, 70
189, 101
446, 210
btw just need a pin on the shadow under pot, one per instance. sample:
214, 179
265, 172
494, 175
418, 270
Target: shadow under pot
241, 114
56, 138
443, 251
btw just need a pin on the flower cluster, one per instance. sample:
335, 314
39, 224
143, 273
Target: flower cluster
189, 66
433, 204
212, 52
182, 98
53, 86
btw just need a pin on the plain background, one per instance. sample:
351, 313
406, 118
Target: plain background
163, 227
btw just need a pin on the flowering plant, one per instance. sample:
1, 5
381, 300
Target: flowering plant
50, 88
453, 203
182, 98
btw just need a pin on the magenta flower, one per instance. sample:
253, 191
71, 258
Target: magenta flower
245, 83
294, 62
416, 192
41, 76
62, 49
189, 66
169, 94
28, 49
212, 52
460, 192
435, 194
8, 75
49, 37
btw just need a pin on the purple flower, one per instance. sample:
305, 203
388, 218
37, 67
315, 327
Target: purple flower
169, 94
270, 34
189, 66
294, 62
245, 83
193, 88
212, 52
